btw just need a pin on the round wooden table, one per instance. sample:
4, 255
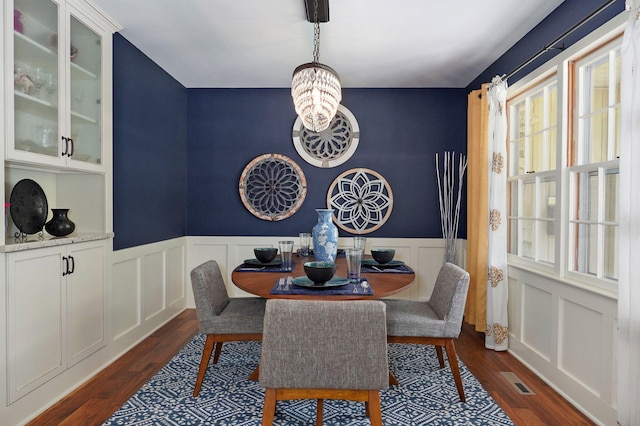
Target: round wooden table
260, 283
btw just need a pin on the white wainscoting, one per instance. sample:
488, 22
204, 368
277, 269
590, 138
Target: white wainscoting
424, 255
567, 336
149, 288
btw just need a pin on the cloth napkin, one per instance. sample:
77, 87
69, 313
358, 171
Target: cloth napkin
342, 290
255, 268
402, 269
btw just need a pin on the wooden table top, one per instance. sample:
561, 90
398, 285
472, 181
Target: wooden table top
260, 283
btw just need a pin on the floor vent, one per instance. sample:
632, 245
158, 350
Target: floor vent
517, 383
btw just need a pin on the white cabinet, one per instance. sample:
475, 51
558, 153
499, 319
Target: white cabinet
55, 311
60, 96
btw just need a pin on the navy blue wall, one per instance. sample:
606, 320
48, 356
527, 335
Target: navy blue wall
568, 14
400, 132
149, 149
164, 132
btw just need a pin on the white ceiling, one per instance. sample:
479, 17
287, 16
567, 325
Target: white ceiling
370, 43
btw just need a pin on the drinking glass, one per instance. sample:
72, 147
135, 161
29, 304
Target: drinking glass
305, 242
286, 249
354, 261
359, 242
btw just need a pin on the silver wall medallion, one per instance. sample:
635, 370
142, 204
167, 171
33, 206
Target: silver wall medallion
332, 146
272, 187
361, 199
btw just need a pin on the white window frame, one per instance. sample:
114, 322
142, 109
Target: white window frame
560, 65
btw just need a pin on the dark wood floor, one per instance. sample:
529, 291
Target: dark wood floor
98, 399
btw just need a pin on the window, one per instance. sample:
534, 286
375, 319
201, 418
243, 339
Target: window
563, 142
532, 172
593, 171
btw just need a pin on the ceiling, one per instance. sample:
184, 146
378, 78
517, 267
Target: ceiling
370, 43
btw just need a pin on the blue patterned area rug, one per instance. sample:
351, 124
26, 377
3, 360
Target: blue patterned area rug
426, 394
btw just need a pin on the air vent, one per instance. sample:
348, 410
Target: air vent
515, 381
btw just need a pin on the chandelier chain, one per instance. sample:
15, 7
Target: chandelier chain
316, 34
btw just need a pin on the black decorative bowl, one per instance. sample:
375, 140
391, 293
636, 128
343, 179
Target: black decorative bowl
319, 272
265, 254
383, 255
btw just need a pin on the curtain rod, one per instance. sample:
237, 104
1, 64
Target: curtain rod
551, 45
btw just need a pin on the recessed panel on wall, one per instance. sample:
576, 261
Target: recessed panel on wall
154, 283
175, 275
537, 320
126, 313
581, 337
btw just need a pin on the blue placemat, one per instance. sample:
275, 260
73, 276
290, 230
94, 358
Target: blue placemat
402, 269
255, 268
346, 289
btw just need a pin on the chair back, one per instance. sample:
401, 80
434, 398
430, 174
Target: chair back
209, 291
449, 297
309, 344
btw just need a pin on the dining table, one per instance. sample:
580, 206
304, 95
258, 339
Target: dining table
272, 282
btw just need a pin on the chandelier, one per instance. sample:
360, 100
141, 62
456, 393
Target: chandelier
315, 88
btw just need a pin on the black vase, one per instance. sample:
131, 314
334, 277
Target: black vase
60, 225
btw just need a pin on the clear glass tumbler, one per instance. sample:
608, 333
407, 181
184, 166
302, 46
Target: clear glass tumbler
354, 261
286, 250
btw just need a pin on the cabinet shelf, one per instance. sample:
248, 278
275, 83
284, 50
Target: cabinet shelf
83, 117
36, 106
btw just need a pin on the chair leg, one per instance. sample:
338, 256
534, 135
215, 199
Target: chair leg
440, 357
455, 370
392, 379
374, 409
269, 409
204, 363
319, 408
216, 354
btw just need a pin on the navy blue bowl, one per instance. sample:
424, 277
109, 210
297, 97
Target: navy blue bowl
319, 272
265, 254
383, 255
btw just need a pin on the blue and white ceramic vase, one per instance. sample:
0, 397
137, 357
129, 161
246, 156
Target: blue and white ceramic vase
325, 237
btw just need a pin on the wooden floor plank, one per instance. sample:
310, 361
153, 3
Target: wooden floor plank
99, 398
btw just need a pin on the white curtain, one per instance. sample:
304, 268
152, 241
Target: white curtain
628, 389
497, 291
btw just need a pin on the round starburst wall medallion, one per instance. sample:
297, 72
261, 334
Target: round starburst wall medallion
272, 187
332, 146
361, 199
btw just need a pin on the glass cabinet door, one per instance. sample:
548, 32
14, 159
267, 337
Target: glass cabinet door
85, 94
36, 77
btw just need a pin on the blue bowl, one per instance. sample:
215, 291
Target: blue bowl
319, 272
383, 255
265, 254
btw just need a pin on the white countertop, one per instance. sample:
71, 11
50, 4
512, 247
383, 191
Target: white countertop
34, 242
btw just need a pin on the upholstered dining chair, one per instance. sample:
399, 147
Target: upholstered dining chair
437, 321
324, 350
221, 318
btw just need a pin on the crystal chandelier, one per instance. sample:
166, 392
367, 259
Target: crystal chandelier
315, 88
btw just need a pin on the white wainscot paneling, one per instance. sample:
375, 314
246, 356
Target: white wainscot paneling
424, 255
580, 343
126, 293
537, 309
148, 287
566, 334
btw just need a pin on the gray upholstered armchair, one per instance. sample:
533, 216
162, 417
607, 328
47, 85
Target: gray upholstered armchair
221, 318
437, 321
324, 350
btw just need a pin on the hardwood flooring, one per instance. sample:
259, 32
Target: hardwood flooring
99, 398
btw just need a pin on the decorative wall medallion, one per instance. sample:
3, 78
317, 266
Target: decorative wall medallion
361, 199
272, 187
330, 147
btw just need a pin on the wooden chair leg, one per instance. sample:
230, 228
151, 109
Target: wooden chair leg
319, 408
204, 363
440, 357
269, 409
374, 409
255, 375
216, 355
455, 370
392, 379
